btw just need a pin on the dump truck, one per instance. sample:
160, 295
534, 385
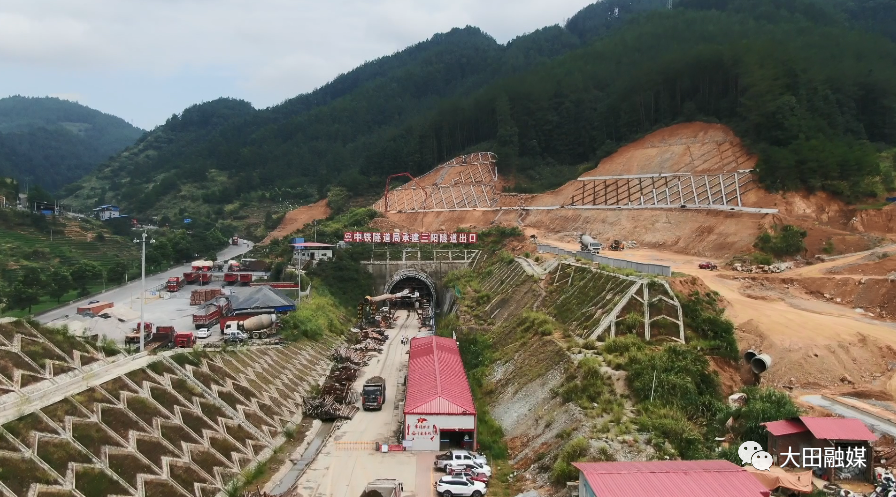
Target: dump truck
205, 278
387, 487
373, 393
96, 308
134, 336
212, 313
245, 278
260, 326
175, 283
235, 240
233, 266
191, 277
617, 245
590, 244
184, 339
231, 278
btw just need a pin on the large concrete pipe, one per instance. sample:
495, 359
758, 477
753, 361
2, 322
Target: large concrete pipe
761, 363
749, 355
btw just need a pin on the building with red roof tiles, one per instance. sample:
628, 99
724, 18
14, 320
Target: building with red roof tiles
438, 411
714, 478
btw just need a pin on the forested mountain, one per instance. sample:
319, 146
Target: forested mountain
806, 83
53, 142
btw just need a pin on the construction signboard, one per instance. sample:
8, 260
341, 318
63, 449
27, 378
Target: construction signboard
396, 237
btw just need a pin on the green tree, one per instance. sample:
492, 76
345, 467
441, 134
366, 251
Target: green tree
59, 282
116, 271
23, 297
84, 273
763, 405
337, 199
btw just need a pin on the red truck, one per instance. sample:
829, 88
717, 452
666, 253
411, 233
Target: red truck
134, 337
245, 278
205, 278
96, 308
235, 240
231, 278
184, 339
204, 295
175, 283
211, 314
191, 278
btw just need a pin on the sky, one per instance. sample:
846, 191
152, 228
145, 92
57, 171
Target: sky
144, 60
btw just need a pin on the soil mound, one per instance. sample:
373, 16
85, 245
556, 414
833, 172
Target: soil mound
298, 218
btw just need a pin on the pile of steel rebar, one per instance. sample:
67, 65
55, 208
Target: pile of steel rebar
343, 354
337, 396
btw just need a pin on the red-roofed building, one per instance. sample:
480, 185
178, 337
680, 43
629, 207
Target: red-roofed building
848, 437
438, 411
715, 478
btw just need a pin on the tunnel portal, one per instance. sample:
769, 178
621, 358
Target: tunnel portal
415, 281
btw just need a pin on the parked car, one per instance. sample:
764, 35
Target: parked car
471, 466
203, 333
448, 486
708, 265
452, 456
235, 337
466, 473
93, 302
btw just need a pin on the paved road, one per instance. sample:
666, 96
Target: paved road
342, 470
121, 296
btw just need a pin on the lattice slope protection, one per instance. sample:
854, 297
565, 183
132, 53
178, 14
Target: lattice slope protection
184, 425
465, 182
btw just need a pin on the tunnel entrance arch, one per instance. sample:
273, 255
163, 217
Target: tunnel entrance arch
414, 280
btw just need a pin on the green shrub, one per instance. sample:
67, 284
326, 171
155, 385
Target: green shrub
673, 426
575, 450
705, 318
623, 345
585, 384
764, 405
785, 240
828, 247
761, 259
314, 317
535, 322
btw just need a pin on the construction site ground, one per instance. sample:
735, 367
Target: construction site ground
817, 346
347, 460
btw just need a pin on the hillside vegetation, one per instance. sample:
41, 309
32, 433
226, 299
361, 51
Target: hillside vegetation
805, 83
53, 142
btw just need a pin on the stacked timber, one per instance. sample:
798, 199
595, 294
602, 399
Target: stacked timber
326, 408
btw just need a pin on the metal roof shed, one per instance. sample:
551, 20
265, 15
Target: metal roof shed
715, 478
264, 298
439, 404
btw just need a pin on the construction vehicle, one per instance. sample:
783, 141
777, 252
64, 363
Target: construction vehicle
231, 278
245, 278
212, 313
387, 487
709, 265
260, 326
589, 244
233, 266
617, 245
96, 308
191, 277
373, 393
175, 283
134, 336
184, 339
161, 335
235, 240
369, 313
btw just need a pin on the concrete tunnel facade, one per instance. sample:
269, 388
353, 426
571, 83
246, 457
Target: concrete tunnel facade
414, 280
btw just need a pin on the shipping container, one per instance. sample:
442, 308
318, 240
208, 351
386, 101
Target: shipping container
95, 308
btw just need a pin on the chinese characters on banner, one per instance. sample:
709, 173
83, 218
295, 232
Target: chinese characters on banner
829, 457
361, 237
422, 428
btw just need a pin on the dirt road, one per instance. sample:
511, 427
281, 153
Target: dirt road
344, 468
813, 342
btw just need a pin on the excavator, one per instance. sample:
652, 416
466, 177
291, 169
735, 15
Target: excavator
617, 245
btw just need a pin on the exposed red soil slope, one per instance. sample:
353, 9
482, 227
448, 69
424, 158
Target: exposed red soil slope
298, 218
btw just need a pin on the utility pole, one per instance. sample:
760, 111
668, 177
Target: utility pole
142, 327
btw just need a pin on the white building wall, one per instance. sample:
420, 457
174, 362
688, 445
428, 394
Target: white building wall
424, 431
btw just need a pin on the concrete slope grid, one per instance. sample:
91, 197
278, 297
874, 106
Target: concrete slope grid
184, 424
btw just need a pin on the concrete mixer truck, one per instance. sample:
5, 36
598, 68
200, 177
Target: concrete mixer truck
590, 244
261, 326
